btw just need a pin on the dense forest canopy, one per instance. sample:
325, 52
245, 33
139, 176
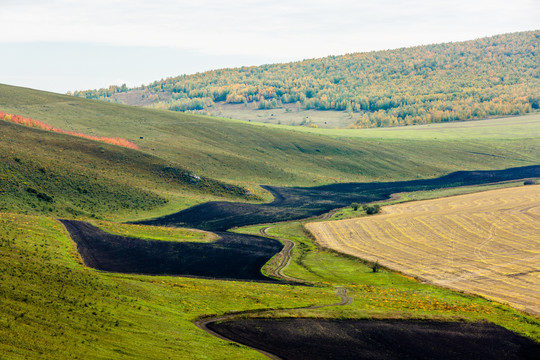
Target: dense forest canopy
491, 76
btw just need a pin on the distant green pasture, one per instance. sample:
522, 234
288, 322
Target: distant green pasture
511, 127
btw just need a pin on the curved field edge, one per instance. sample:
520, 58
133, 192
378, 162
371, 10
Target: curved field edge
52, 307
384, 294
322, 339
398, 198
231, 257
159, 233
425, 239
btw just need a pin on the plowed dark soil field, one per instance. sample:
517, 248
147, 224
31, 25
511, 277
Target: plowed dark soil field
297, 203
237, 256
233, 256
315, 339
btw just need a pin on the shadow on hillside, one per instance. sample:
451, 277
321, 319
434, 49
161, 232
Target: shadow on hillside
297, 203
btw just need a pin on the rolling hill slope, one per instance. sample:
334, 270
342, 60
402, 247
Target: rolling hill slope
249, 154
425, 84
62, 175
53, 307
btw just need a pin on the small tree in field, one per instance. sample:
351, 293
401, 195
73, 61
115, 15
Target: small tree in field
372, 209
355, 206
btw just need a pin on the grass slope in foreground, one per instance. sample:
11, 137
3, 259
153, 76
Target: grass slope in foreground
249, 155
51, 307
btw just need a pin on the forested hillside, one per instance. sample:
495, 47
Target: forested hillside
436, 83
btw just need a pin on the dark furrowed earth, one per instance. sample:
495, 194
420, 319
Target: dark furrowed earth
297, 203
233, 256
238, 256
378, 339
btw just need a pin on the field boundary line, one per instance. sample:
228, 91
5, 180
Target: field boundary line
202, 323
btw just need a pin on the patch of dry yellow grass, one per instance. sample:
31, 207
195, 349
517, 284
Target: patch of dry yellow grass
486, 243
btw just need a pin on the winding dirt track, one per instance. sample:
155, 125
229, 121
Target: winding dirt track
204, 323
284, 257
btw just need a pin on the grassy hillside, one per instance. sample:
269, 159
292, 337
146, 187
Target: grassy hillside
66, 176
426, 84
248, 155
52, 307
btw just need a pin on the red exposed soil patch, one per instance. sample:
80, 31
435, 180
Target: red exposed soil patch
17, 119
378, 339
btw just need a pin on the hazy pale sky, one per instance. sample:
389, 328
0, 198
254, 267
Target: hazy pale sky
61, 45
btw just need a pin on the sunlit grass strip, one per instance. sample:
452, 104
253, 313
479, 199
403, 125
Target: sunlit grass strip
385, 294
160, 233
17, 119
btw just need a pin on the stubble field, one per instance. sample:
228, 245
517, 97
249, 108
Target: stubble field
486, 243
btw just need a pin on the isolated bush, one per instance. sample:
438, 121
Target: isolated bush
375, 266
44, 197
372, 209
355, 206
39, 194
529, 182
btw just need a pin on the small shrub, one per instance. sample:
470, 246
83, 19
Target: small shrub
355, 206
44, 197
375, 266
39, 194
372, 209
529, 182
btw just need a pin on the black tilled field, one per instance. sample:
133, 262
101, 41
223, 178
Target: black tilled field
378, 339
233, 256
298, 203
237, 256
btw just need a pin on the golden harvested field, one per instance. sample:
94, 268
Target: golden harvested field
486, 243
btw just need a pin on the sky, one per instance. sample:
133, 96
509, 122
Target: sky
66, 45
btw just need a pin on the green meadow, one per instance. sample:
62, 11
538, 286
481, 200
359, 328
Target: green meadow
53, 307
248, 155
384, 294
500, 128
158, 233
